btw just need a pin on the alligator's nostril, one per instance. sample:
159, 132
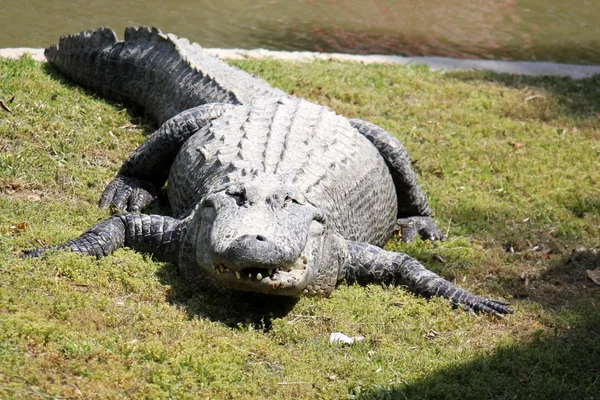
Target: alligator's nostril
254, 250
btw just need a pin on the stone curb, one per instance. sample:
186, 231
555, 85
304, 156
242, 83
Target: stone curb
435, 63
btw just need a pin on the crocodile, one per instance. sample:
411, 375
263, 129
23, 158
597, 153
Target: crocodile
268, 192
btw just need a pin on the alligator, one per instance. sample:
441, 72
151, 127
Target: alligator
268, 192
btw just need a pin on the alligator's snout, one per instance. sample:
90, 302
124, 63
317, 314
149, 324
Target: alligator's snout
253, 262
253, 251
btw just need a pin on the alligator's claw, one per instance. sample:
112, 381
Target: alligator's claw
126, 193
424, 226
478, 304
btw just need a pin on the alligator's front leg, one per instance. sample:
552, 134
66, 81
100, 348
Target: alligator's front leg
370, 264
154, 234
413, 211
147, 169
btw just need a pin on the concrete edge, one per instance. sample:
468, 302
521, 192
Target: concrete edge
435, 63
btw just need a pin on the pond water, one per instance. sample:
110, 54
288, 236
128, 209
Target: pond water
549, 30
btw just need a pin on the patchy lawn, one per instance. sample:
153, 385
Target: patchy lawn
511, 168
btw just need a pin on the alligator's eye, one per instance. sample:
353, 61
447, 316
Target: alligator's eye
208, 202
239, 194
319, 217
289, 200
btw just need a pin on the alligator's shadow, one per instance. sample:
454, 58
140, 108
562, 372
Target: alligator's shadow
562, 365
574, 98
136, 113
230, 307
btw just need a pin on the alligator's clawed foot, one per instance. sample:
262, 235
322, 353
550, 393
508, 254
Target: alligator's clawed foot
424, 226
478, 304
125, 193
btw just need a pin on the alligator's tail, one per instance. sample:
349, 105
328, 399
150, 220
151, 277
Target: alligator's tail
161, 73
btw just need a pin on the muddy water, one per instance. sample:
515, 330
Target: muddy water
550, 30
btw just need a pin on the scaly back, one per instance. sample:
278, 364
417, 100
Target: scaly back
297, 143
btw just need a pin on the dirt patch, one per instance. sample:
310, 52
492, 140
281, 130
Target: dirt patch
19, 189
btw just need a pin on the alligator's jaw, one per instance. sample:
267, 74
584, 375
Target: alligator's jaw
287, 280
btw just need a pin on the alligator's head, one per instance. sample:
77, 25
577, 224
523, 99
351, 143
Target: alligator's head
261, 236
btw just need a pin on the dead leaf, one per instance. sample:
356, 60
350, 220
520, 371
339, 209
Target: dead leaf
535, 96
332, 377
525, 278
18, 228
594, 275
5, 107
79, 284
409, 98
515, 144
439, 258
431, 334
34, 197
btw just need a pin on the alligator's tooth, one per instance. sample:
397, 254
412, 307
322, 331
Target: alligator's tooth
237, 275
270, 271
250, 276
259, 277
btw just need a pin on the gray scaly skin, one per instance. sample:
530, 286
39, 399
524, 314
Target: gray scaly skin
269, 193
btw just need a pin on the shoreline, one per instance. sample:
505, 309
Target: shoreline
574, 71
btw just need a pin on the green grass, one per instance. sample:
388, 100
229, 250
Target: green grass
511, 168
